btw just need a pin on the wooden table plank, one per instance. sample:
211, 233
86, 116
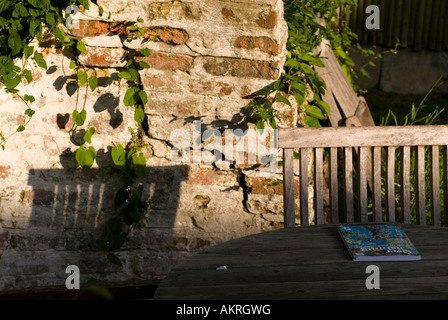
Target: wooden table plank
423, 288
307, 263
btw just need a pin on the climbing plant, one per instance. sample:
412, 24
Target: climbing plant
21, 22
300, 79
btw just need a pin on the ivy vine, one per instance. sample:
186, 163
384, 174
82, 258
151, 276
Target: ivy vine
23, 21
299, 76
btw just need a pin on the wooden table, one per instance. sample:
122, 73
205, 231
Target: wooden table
307, 263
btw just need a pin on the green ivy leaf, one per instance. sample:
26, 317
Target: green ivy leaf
35, 12
300, 98
282, 99
139, 165
131, 96
125, 75
143, 97
28, 51
15, 43
324, 106
120, 197
100, 11
114, 259
79, 117
273, 123
28, 75
113, 225
144, 65
49, 18
29, 98
146, 52
40, 60
119, 156
134, 74
82, 77
315, 112
311, 59
58, 33
29, 112
292, 63
88, 135
81, 46
139, 114
5, 5
279, 84
137, 28
72, 64
34, 23
22, 10
11, 80
110, 241
85, 157
20, 128
37, 3
311, 121
93, 83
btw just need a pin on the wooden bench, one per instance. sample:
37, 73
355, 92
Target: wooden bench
368, 157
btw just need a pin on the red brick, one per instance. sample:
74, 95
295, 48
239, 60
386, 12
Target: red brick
242, 68
171, 36
213, 88
245, 91
154, 82
104, 57
265, 44
261, 185
210, 177
227, 13
202, 177
268, 21
89, 28
179, 108
38, 196
168, 61
4, 243
4, 171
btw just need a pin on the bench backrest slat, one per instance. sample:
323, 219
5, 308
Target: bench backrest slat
363, 136
369, 153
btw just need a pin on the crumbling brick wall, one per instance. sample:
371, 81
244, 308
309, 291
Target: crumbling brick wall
206, 58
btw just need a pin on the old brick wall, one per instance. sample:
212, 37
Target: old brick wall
207, 57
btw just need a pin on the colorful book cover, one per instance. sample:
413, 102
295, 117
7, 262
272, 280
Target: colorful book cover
378, 243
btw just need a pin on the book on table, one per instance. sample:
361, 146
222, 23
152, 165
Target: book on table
378, 243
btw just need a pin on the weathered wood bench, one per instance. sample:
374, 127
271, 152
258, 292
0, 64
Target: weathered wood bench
368, 157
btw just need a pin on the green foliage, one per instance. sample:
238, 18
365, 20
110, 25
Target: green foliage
85, 156
416, 116
305, 35
128, 200
22, 21
129, 203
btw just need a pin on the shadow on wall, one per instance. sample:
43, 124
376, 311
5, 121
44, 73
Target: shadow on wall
70, 209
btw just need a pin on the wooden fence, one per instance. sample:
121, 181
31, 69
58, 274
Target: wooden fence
419, 24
